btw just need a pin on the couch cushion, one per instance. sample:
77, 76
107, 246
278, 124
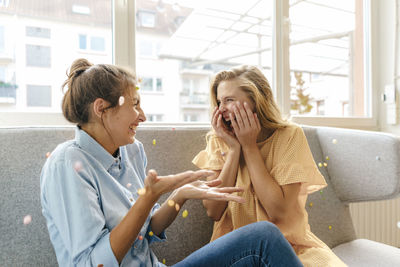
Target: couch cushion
363, 165
363, 252
23, 153
329, 218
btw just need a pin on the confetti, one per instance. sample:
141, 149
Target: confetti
163, 261
334, 141
100, 265
48, 154
139, 80
398, 224
320, 164
27, 219
177, 207
121, 100
140, 237
154, 142
311, 204
151, 233
330, 227
137, 87
171, 203
173, 129
142, 191
185, 213
327, 158
325, 164
222, 153
78, 166
128, 185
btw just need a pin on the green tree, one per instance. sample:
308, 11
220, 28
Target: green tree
299, 99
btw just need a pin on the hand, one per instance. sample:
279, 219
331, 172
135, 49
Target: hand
245, 124
208, 190
222, 131
158, 185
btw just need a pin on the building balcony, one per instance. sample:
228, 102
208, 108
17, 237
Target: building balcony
194, 100
8, 93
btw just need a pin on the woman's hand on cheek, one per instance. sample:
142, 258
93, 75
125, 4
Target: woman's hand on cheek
156, 185
246, 125
222, 131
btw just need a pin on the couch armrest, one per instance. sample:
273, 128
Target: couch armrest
362, 165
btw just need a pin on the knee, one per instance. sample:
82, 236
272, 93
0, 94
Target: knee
266, 230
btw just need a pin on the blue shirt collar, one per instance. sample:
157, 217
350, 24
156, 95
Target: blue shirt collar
90, 145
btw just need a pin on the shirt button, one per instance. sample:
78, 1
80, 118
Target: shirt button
131, 199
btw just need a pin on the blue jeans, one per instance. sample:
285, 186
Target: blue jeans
256, 244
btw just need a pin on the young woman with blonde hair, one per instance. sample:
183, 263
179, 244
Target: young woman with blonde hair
251, 146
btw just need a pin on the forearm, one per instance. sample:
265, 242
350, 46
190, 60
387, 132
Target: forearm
126, 232
167, 213
228, 175
268, 191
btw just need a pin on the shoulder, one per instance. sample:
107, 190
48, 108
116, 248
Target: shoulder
290, 132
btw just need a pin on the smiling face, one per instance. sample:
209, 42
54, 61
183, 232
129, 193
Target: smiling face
228, 94
122, 121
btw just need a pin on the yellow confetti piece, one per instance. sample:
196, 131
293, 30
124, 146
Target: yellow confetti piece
151, 233
321, 192
311, 204
185, 213
334, 141
327, 158
154, 142
330, 227
163, 261
177, 207
137, 87
320, 164
325, 164
171, 203
142, 191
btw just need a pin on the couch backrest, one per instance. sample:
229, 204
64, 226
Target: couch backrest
23, 155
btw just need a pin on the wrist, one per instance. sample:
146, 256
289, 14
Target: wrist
250, 148
178, 196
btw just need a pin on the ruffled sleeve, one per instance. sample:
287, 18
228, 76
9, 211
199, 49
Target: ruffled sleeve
294, 161
213, 157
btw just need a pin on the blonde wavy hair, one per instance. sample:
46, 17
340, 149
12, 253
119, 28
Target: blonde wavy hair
253, 82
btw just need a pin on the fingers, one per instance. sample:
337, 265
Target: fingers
229, 189
250, 116
213, 183
190, 176
151, 177
224, 197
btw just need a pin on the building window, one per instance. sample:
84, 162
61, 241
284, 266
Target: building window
95, 43
37, 32
146, 19
38, 56
151, 84
154, 117
38, 95
190, 117
82, 42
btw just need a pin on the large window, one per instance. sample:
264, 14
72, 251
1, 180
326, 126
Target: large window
315, 53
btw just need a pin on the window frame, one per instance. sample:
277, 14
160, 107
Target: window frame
124, 53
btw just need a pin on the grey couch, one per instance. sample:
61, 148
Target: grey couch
362, 166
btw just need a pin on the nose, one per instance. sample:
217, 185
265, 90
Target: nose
142, 117
222, 107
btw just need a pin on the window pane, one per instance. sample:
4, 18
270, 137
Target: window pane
196, 39
38, 96
327, 58
38, 42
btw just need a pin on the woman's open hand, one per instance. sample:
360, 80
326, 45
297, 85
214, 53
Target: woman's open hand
158, 185
208, 190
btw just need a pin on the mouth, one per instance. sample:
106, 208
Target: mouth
227, 122
132, 129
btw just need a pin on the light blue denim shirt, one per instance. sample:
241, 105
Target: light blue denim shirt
85, 193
